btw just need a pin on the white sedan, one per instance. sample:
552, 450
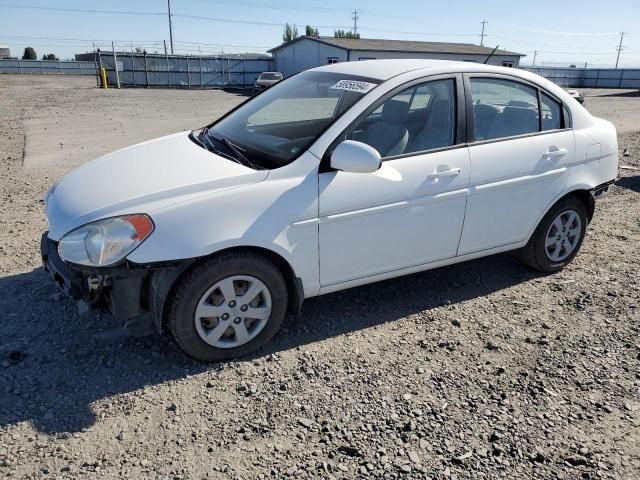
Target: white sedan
335, 177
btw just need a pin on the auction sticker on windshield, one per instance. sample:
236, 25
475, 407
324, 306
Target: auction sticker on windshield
353, 86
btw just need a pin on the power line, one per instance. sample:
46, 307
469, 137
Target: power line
246, 22
554, 32
223, 44
81, 10
278, 6
384, 30
72, 39
182, 15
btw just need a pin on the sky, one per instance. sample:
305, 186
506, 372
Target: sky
562, 32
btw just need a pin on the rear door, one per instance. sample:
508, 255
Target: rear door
521, 148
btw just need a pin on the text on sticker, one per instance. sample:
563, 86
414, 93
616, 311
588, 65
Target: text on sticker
353, 86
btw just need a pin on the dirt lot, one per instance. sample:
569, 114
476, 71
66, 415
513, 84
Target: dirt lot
482, 370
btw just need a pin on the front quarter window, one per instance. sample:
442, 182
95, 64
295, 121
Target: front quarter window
274, 128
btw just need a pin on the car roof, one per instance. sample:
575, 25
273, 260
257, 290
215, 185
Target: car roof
385, 69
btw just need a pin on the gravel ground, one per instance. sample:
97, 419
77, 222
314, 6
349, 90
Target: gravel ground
481, 370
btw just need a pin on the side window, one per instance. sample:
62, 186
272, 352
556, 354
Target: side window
422, 117
331, 60
421, 97
503, 108
551, 113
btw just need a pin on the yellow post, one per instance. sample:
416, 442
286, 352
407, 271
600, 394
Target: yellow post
103, 78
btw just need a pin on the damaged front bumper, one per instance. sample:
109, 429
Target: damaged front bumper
127, 291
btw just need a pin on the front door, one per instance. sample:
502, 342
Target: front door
410, 212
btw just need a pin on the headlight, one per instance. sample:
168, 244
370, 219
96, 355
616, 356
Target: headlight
105, 242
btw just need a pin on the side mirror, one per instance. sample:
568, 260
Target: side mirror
355, 157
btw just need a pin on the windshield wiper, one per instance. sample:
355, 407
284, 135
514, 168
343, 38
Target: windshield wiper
239, 156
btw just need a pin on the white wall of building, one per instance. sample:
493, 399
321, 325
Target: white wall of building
305, 54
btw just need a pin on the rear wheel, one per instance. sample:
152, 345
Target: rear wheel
558, 238
228, 307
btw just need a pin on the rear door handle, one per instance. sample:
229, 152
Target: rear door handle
555, 152
445, 173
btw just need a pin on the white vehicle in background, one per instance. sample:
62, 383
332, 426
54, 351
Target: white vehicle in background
336, 177
266, 79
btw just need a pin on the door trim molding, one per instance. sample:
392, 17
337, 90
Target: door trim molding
387, 207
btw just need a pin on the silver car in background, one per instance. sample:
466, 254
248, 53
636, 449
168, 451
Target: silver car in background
266, 79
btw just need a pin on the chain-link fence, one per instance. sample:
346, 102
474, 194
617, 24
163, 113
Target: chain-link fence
60, 67
590, 77
157, 70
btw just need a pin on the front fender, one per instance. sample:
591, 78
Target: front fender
279, 215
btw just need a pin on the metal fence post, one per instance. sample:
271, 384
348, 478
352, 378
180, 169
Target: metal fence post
200, 70
146, 72
620, 79
99, 66
115, 64
188, 76
95, 64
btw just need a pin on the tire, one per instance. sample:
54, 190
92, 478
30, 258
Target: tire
540, 255
199, 292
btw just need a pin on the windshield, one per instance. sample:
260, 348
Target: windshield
270, 76
274, 128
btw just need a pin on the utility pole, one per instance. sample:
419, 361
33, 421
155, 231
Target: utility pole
620, 48
355, 16
535, 54
482, 35
170, 26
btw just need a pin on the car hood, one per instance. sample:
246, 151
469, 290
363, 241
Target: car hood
140, 179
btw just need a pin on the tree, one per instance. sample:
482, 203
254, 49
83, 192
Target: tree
345, 34
290, 33
29, 54
311, 32
50, 56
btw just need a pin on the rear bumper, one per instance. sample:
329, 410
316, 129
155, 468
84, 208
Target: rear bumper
127, 290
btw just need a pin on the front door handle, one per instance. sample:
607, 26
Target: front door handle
445, 173
555, 152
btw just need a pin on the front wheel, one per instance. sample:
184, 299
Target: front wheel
558, 238
227, 307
